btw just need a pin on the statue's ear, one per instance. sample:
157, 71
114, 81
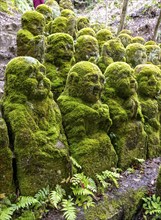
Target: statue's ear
73, 78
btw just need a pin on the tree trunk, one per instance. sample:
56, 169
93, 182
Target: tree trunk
157, 26
123, 14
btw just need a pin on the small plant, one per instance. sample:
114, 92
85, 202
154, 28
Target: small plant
152, 207
107, 178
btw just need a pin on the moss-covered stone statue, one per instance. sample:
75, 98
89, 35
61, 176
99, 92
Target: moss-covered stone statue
47, 13
6, 160
54, 7
86, 48
72, 21
138, 39
58, 25
58, 60
125, 31
82, 22
30, 39
112, 51
103, 36
66, 4
86, 120
127, 132
149, 88
153, 54
35, 125
86, 31
136, 54
126, 39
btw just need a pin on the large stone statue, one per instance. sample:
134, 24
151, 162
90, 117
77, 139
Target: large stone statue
35, 125
6, 160
30, 39
58, 60
86, 120
149, 87
153, 54
127, 132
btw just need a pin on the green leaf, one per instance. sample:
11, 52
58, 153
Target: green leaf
69, 209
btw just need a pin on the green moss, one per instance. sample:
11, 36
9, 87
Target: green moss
67, 13
66, 4
150, 42
86, 48
149, 87
58, 25
153, 54
86, 31
102, 36
46, 11
136, 54
82, 22
54, 7
158, 183
86, 120
4, 6
58, 60
125, 31
126, 39
112, 51
122, 206
127, 132
6, 180
35, 123
138, 39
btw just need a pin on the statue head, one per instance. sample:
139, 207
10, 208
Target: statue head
85, 81
58, 25
148, 77
136, 54
60, 47
120, 77
34, 22
26, 76
153, 54
46, 11
86, 48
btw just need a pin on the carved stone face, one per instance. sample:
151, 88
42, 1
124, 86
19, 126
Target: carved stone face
34, 22
120, 77
27, 76
153, 54
85, 81
148, 80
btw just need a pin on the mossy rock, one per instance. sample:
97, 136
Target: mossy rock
86, 48
35, 123
67, 13
136, 54
123, 206
150, 42
125, 31
86, 120
58, 25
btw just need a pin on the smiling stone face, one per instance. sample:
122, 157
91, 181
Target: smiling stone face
86, 81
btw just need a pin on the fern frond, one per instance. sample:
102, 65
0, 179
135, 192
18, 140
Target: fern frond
75, 163
68, 209
26, 201
6, 213
56, 195
42, 194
